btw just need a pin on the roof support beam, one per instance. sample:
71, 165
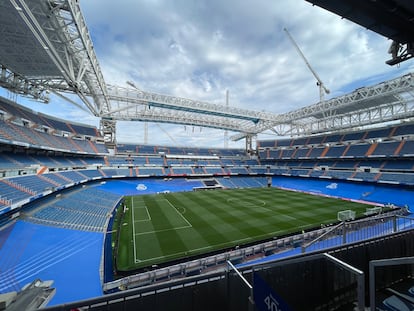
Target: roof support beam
125, 101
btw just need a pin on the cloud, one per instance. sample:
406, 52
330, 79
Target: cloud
200, 49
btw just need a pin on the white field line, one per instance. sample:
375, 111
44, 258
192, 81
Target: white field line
193, 250
189, 225
182, 216
162, 230
148, 214
291, 217
152, 232
133, 229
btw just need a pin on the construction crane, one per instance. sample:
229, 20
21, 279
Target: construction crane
322, 88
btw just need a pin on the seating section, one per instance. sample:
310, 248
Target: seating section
20, 189
11, 160
12, 192
14, 134
179, 151
151, 171
398, 297
186, 170
21, 126
59, 154
92, 215
241, 182
35, 183
377, 155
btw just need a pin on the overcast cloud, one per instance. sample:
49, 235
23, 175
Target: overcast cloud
198, 49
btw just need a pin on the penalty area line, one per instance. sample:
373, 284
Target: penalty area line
178, 212
133, 230
193, 251
162, 230
148, 215
136, 260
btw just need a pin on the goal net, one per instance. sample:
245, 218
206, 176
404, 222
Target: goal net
346, 215
373, 210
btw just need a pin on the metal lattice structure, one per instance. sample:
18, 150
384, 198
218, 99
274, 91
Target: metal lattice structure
136, 105
384, 102
46, 47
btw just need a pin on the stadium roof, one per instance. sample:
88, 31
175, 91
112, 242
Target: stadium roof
383, 102
46, 47
393, 19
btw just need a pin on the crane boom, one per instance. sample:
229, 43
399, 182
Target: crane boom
319, 83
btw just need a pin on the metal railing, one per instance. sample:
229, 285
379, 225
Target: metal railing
359, 230
324, 238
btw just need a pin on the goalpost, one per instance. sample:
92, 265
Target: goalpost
346, 215
373, 210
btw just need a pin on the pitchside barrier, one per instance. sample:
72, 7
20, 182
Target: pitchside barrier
323, 238
359, 230
288, 282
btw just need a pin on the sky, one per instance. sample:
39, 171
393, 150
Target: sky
199, 49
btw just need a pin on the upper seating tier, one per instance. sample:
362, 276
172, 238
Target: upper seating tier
22, 126
354, 137
177, 151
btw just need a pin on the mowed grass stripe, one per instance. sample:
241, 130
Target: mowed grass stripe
212, 231
125, 251
262, 219
173, 234
140, 210
202, 219
230, 218
187, 223
245, 221
167, 237
144, 238
232, 224
223, 223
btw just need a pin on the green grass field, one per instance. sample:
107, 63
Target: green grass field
163, 227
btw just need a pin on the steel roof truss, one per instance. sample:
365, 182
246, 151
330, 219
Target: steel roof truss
129, 96
384, 113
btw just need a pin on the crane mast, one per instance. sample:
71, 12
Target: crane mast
322, 88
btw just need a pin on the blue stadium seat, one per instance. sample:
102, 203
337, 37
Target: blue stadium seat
354, 137
357, 151
378, 133
407, 149
301, 152
395, 303
266, 143
335, 152
91, 215
404, 129
386, 149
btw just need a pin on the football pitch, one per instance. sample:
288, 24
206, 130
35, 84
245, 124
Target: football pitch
164, 227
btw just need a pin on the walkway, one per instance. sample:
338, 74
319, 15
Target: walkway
72, 258
68, 257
